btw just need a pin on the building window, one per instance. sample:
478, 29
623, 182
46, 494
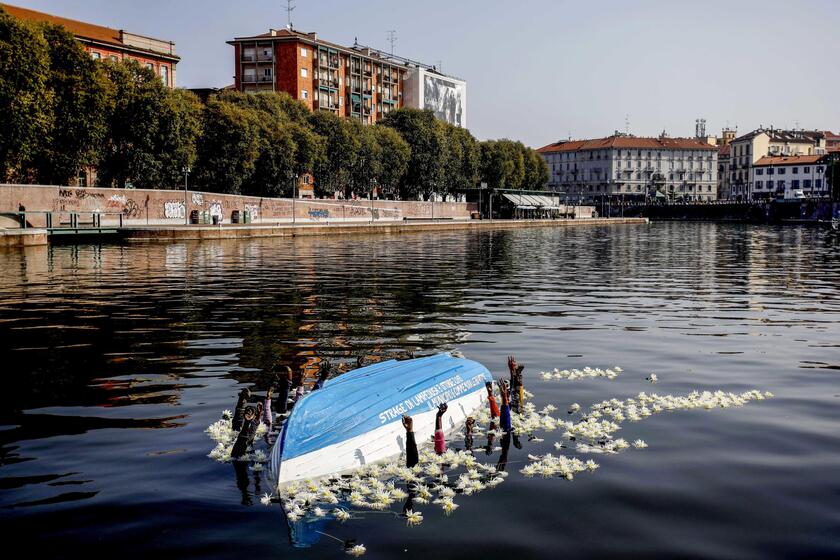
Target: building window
150, 66
304, 73
769, 184
303, 52
819, 169
806, 169
95, 55
818, 184
164, 75
807, 183
795, 170
759, 172
794, 184
304, 94
114, 57
782, 171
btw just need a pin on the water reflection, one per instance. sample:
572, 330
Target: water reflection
117, 357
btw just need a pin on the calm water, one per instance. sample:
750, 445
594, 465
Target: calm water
115, 359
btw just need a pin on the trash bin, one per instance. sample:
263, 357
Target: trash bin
234, 217
194, 217
246, 217
216, 219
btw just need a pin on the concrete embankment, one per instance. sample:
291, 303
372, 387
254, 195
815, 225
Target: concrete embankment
22, 237
182, 233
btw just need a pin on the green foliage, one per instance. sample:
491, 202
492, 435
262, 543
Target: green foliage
426, 139
145, 125
26, 114
82, 98
536, 171
394, 157
229, 148
334, 168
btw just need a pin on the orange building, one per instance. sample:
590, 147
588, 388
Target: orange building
356, 81
116, 44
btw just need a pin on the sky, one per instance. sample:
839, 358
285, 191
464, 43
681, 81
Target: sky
539, 71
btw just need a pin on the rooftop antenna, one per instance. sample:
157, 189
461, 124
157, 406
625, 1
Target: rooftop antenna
627, 124
392, 38
290, 7
440, 66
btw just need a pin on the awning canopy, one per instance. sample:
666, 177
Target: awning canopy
533, 201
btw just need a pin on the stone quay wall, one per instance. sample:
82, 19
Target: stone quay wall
171, 207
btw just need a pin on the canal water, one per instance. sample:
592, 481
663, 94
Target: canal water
116, 358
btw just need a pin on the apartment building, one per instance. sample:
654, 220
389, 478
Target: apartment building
790, 177
116, 44
748, 149
356, 81
663, 168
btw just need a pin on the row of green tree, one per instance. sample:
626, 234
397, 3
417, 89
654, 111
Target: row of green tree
61, 111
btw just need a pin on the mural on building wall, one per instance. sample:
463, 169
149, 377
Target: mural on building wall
445, 98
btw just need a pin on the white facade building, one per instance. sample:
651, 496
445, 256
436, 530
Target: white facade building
790, 177
748, 149
676, 169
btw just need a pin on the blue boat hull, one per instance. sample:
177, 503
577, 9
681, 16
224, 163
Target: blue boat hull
355, 419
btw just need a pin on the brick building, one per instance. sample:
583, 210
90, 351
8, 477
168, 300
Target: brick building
356, 81
116, 44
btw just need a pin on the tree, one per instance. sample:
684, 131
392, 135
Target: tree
25, 99
496, 167
131, 152
180, 128
420, 130
536, 171
82, 97
332, 170
462, 158
367, 165
394, 157
229, 147
310, 149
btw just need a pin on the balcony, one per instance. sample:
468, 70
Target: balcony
265, 57
249, 58
249, 79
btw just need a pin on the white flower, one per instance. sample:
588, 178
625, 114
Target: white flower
639, 444
653, 378
318, 512
413, 518
357, 550
341, 514
266, 499
448, 506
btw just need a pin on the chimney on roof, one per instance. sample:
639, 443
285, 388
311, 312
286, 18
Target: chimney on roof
272, 32
313, 34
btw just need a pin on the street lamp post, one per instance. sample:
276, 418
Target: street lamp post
186, 169
294, 196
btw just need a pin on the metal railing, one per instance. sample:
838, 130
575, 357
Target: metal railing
64, 220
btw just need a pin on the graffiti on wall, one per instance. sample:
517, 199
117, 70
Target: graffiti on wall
174, 209
198, 199
253, 210
317, 214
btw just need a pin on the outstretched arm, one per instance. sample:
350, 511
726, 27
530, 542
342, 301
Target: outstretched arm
411, 455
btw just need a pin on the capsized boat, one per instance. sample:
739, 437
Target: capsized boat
356, 418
